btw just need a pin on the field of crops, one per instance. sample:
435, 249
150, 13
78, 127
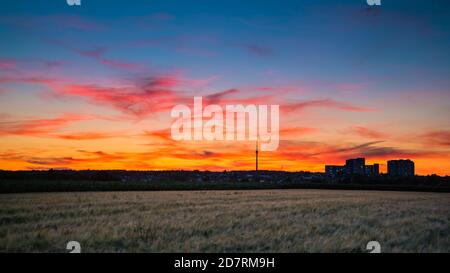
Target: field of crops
225, 221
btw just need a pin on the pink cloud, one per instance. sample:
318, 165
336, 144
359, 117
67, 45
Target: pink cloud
38, 127
7, 64
154, 97
28, 79
12, 64
366, 132
297, 131
51, 21
98, 53
328, 103
437, 138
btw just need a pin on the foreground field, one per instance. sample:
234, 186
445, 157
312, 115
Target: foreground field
226, 221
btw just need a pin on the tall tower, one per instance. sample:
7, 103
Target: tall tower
256, 153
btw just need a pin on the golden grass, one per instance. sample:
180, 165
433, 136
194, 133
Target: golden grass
226, 221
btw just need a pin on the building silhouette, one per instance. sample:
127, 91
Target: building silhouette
353, 167
372, 170
334, 170
400, 168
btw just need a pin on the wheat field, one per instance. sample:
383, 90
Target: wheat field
226, 221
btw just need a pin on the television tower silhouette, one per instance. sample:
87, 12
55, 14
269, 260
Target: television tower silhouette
256, 153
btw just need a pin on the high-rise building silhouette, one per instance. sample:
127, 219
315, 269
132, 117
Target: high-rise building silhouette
355, 166
372, 170
401, 167
334, 170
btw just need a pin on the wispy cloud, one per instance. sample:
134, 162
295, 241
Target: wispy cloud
98, 54
38, 127
153, 98
366, 132
88, 135
437, 138
328, 103
258, 50
52, 21
297, 131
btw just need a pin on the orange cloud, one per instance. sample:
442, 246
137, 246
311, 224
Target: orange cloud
437, 138
87, 136
296, 131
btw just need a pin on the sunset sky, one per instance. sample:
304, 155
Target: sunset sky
91, 87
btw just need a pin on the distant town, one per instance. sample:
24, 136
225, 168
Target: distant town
357, 166
355, 174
